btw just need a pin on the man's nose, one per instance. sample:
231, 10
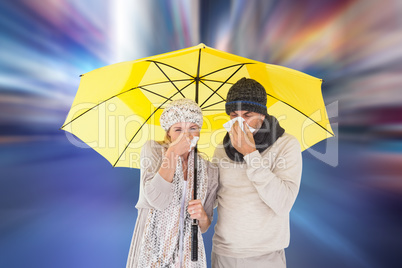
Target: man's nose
245, 119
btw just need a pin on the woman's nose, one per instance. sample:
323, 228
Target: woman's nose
188, 133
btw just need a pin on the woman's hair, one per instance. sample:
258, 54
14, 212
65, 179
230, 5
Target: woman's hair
166, 140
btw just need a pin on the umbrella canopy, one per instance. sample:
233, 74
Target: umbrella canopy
117, 107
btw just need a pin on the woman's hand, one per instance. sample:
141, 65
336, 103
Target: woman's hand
169, 160
197, 212
181, 145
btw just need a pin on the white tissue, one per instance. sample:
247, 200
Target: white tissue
228, 125
194, 142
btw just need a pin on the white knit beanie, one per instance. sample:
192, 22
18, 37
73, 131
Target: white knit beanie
181, 110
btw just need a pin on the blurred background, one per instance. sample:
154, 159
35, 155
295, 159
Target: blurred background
65, 206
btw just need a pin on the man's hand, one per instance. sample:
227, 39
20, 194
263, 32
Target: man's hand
243, 142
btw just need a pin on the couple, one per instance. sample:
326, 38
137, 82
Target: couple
254, 184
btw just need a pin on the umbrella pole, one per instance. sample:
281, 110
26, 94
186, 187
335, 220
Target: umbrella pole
194, 226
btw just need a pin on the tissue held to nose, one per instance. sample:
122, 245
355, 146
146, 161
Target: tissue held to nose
193, 142
228, 125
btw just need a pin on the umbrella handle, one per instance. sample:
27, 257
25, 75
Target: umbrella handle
194, 226
194, 241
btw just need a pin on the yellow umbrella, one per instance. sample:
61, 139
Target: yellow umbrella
117, 107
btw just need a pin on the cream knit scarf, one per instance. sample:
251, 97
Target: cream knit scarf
160, 244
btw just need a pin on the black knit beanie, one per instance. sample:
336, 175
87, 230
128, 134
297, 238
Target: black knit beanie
247, 95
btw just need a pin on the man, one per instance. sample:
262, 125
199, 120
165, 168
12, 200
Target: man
260, 175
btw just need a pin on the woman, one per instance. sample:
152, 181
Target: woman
166, 209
